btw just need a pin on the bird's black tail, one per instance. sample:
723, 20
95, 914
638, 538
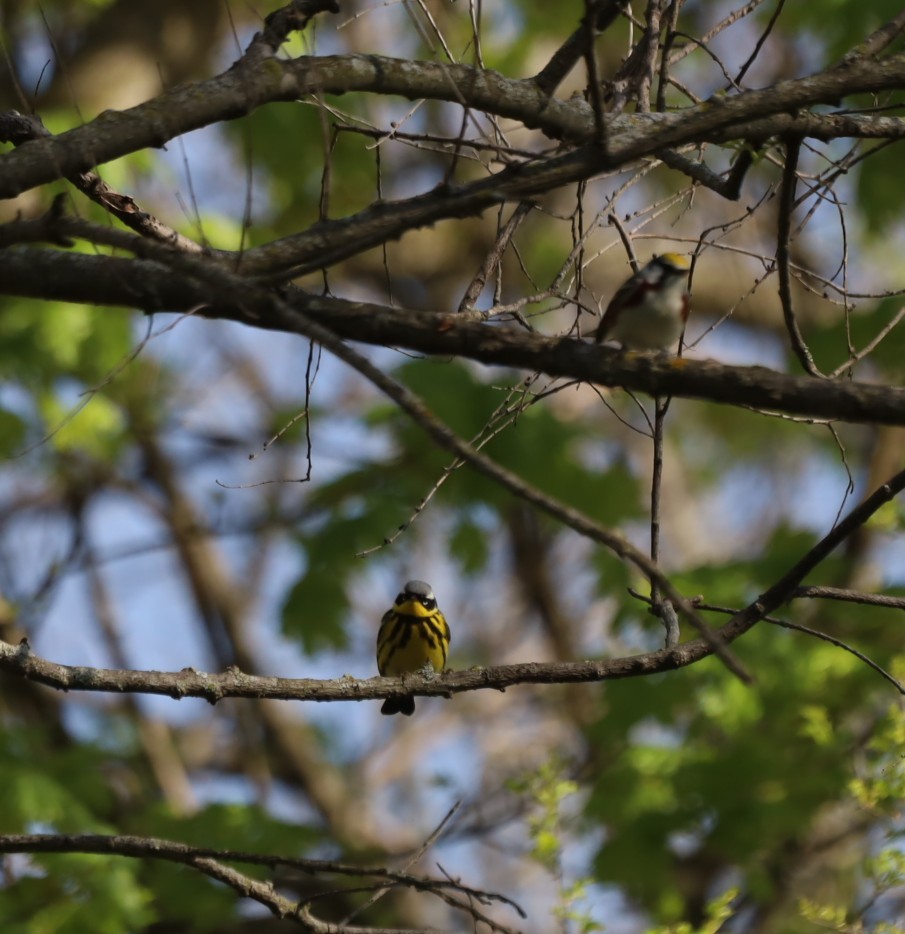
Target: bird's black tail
403, 705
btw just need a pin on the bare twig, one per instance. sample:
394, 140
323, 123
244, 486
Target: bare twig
429, 841
658, 605
850, 596
817, 634
714, 31
759, 44
494, 256
871, 345
784, 589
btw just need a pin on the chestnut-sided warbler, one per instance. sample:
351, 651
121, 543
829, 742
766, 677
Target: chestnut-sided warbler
650, 309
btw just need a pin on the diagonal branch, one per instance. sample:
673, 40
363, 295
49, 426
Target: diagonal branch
785, 588
880, 39
599, 16
494, 256
21, 128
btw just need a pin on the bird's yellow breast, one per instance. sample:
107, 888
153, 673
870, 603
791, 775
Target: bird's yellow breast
410, 637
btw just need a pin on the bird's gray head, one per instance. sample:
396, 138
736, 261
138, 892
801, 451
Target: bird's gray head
420, 590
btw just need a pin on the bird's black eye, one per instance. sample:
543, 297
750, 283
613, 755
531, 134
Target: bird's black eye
429, 603
400, 599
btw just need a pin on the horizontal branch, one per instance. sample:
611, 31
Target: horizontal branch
22, 662
210, 861
250, 85
173, 851
200, 859
144, 284
851, 596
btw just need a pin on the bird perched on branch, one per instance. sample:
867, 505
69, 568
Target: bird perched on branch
650, 309
413, 635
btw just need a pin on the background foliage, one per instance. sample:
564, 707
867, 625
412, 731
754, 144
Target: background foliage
176, 493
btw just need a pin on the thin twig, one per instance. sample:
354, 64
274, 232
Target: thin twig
495, 255
870, 346
429, 841
670, 623
723, 24
759, 44
817, 634
850, 596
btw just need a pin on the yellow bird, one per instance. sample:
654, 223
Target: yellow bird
413, 634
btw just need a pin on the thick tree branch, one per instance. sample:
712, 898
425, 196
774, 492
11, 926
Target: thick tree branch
22, 662
330, 241
242, 90
151, 286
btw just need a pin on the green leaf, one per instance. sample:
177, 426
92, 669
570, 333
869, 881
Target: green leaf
12, 433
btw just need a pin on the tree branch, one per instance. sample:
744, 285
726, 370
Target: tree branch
212, 687
173, 851
240, 91
257, 304
21, 661
152, 286
783, 257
